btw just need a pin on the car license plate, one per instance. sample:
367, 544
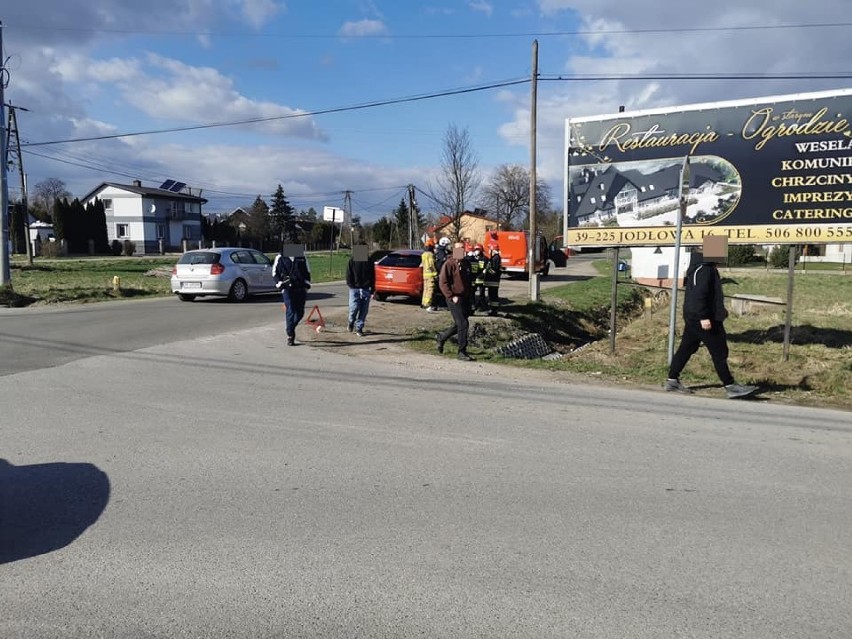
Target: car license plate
191, 285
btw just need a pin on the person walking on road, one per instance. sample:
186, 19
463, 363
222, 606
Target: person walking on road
361, 280
704, 314
292, 276
455, 284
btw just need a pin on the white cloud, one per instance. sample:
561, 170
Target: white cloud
258, 12
719, 46
481, 6
361, 28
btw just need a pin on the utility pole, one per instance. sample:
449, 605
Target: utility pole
533, 248
347, 208
413, 238
5, 270
13, 150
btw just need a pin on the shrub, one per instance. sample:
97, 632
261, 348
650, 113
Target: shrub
740, 254
51, 249
780, 256
115, 247
129, 247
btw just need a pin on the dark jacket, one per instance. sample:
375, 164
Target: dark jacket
441, 255
361, 274
294, 271
704, 298
454, 278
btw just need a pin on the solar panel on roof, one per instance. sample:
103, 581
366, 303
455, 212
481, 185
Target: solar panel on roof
167, 185
177, 187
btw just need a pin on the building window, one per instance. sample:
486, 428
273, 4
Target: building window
107, 204
122, 230
161, 231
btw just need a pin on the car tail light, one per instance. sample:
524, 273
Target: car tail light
174, 270
216, 269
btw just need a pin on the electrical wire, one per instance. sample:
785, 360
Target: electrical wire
302, 114
440, 36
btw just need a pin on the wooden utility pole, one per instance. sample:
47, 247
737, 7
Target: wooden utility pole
13, 150
5, 269
533, 247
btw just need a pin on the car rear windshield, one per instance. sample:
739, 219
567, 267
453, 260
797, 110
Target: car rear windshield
199, 258
399, 259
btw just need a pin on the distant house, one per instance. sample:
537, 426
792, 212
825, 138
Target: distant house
149, 216
473, 226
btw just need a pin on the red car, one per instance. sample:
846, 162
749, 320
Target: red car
399, 273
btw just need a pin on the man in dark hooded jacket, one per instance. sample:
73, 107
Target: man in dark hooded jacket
704, 314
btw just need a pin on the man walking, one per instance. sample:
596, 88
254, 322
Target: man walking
293, 278
704, 314
361, 280
454, 282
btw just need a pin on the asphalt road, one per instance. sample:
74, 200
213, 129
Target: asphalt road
40, 337
226, 485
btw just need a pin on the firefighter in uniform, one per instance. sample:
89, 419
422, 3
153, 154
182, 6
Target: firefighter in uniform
477, 276
430, 276
493, 269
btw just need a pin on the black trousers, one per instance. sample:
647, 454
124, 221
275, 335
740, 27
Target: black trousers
716, 341
460, 323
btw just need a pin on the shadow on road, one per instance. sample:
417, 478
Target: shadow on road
45, 507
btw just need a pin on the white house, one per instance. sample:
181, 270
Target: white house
149, 216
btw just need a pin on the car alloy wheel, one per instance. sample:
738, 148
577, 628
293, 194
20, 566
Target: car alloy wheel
239, 291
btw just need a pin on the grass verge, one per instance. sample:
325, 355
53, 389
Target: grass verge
84, 280
574, 320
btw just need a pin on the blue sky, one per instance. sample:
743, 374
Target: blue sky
88, 68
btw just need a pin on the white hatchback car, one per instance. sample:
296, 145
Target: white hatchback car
234, 273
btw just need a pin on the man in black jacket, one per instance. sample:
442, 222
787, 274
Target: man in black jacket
293, 278
361, 280
704, 314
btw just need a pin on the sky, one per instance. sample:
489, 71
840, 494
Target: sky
235, 97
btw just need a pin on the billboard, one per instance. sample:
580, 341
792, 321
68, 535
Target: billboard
771, 170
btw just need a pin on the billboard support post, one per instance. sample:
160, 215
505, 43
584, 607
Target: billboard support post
613, 316
788, 322
684, 195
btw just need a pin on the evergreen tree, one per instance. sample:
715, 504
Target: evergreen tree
17, 230
61, 209
96, 215
283, 217
257, 222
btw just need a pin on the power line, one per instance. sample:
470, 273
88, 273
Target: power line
839, 75
438, 36
356, 107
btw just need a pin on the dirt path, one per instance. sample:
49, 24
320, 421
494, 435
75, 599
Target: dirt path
392, 323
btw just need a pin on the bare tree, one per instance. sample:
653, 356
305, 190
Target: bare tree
459, 177
507, 196
47, 192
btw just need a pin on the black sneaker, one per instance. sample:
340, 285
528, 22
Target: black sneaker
350, 327
465, 357
291, 341
439, 343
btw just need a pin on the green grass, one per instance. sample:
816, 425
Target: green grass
818, 371
90, 279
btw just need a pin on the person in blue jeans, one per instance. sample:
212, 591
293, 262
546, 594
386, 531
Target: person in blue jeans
293, 278
361, 280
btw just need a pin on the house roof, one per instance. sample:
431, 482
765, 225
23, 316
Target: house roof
445, 220
590, 184
145, 191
